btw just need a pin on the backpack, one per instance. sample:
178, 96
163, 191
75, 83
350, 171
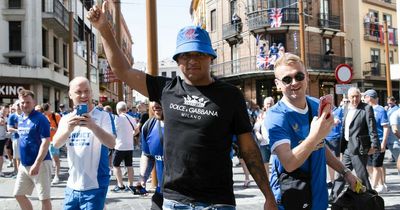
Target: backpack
343, 198
148, 126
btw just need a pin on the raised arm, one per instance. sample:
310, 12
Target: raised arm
119, 65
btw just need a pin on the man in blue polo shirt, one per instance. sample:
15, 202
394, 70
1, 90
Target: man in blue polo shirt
295, 143
152, 136
34, 141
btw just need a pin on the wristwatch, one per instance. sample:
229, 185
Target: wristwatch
345, 170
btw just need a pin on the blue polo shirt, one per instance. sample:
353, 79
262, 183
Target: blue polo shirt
336, 130
13, 122
381, 119
287, 124
31, 130
153, 145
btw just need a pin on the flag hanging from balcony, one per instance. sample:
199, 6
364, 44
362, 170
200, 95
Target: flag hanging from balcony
275, 17
262, 62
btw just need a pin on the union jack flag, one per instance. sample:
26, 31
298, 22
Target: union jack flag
262, 62
275, 17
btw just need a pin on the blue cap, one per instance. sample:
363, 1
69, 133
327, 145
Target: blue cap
193, 39
371, 93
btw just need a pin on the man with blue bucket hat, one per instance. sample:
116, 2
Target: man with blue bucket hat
201, 114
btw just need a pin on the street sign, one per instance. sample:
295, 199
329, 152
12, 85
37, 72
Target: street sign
343, 88
343, 73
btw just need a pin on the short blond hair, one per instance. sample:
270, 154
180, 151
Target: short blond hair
287, 59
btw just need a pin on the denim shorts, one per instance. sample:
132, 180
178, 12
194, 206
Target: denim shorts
54, 151
172, 205
88, 200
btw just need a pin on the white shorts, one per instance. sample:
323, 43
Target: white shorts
25, 183
15, 147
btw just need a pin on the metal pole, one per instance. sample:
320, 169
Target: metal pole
152, 53
388, 80
301, 30
71, 72
88, 55
119, 41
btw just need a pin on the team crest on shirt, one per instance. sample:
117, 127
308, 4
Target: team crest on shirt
295, 127
194, 101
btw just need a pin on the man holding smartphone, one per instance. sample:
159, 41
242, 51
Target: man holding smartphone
88, 137
297, 134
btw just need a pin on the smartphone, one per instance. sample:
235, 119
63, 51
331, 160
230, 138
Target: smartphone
81, 109
323, 101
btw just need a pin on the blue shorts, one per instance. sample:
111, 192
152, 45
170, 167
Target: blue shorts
54, 151
265, 153
88, 200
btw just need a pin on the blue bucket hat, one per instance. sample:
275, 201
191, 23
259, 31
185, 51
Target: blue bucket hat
193, 39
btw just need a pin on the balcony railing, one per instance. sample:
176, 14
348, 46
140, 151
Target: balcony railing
327, 20
374, 69
326, 63
231, 29
316, 62
260, 19
57, 9
239, 66
374, 32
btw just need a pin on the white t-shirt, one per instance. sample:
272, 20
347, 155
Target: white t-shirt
125, 132
349, 119
87, 157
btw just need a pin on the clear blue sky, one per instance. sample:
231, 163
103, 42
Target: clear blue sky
172, 15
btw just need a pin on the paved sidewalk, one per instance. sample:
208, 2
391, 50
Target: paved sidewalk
249, 198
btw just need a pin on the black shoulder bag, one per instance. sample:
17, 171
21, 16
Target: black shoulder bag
296, 185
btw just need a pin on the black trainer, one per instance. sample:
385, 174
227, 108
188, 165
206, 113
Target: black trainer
118, 188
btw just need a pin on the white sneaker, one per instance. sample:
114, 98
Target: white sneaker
381, 189
56, 180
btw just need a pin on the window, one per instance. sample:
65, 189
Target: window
233, 6
55, 49
375, 61
173, 74
327, 44
388, 18
44, 43
14, 4
164, 74
15, 35
391, 61
65, 57
213, 20
15, 61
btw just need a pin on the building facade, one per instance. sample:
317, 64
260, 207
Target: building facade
242, 33
108, 81
365, 43
34, 49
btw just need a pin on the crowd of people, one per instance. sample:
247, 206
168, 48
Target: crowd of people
196, 121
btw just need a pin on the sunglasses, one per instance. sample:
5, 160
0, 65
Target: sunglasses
287, 80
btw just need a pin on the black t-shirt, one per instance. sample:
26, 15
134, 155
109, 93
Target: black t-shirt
199, 124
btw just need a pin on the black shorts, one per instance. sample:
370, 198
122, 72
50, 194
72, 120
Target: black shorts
120, 156
334, 145
156, 201
376, 159
2, 143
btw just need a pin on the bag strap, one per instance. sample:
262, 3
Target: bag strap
147, 126
129, 122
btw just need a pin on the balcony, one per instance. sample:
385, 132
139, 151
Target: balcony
374, 70
259, 20
388, 4
247, 65
231, 32
326, 63
328, 21
374, 32
56, 17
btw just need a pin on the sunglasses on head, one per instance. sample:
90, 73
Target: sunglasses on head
299, 76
